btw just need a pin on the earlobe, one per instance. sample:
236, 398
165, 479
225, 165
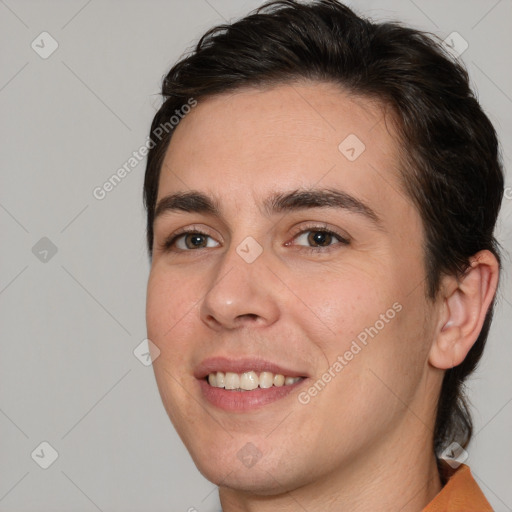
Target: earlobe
464, 303
447, 351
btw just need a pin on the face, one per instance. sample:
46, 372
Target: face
307, 263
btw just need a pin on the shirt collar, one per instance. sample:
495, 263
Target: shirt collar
461, 492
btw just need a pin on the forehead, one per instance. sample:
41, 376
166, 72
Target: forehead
288, 136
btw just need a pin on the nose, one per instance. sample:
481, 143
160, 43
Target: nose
241, 293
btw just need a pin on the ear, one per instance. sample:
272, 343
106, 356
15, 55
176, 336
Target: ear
463, 302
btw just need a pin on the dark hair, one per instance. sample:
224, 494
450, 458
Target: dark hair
451, 167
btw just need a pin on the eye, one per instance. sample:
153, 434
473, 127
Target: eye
189, 240
318, 238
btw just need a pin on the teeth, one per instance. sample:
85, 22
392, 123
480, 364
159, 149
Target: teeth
231, 380
266, 380
248, 381
279, 380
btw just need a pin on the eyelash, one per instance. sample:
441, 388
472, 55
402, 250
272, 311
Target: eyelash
171, 240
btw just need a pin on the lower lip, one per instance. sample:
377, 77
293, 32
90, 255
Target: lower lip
240, 401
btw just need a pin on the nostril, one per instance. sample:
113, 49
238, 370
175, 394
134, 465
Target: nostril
247, 316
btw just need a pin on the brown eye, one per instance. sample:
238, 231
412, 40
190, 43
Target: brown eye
321, 238
189, 240
194, 240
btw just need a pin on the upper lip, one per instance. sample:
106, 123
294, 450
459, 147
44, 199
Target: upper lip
241, 365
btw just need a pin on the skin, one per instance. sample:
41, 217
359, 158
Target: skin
363, 443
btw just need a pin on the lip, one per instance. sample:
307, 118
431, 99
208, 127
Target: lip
244, 401
224, 364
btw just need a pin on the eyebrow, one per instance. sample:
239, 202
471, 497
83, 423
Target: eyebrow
197, 202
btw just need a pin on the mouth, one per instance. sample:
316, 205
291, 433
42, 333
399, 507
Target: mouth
249, 380
241, 385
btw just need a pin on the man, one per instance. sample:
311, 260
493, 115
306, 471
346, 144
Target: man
321, 196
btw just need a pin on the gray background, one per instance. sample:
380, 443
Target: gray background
70, 324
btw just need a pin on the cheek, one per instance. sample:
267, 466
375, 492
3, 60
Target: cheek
170, 306
367, 383
391, 353
367, 321
169, 309
344, 303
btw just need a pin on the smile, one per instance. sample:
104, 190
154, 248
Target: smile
238, 385
250, 380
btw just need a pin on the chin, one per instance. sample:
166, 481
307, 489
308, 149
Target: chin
248, 470
263, 481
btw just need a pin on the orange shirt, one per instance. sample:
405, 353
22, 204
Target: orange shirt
461, 493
